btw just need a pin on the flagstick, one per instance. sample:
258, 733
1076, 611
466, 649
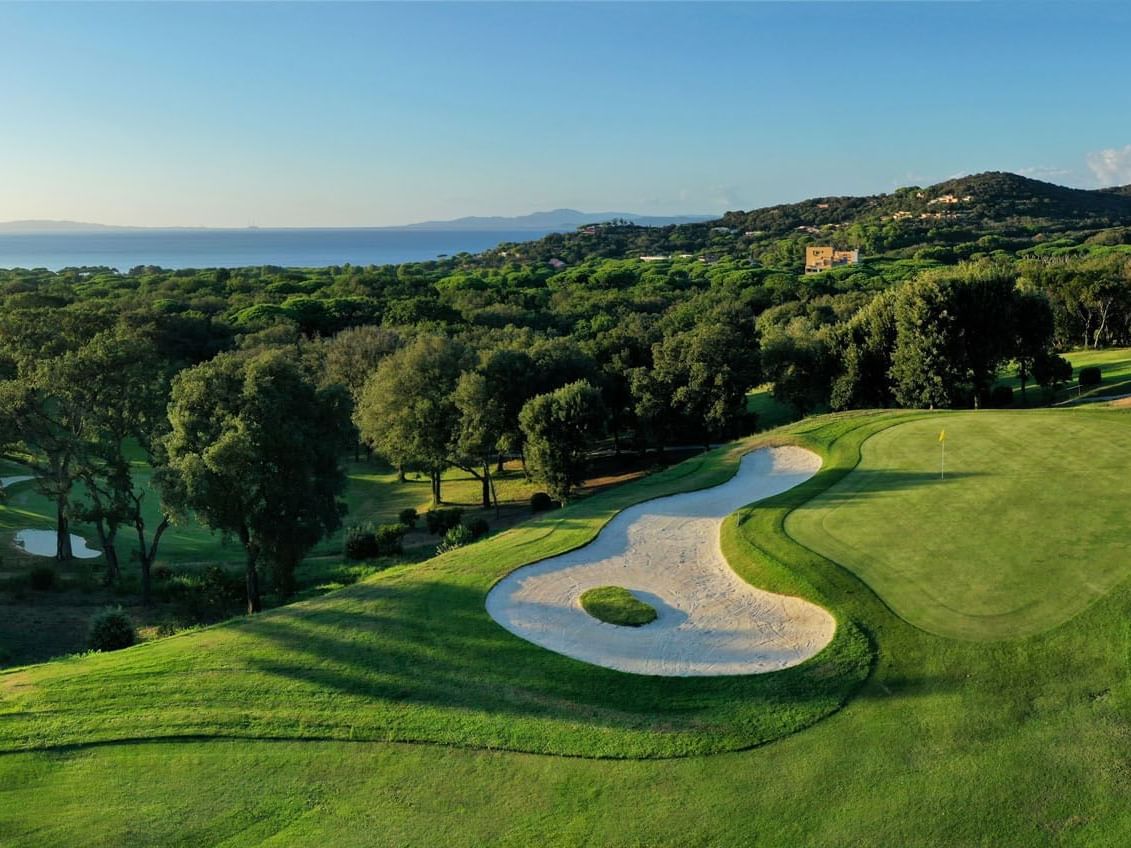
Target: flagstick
942, 460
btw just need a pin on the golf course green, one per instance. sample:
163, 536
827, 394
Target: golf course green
302, 726
1026, 528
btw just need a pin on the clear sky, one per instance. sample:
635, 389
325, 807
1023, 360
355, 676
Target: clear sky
371, 114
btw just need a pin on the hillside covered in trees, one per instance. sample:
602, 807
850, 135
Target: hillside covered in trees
217, 374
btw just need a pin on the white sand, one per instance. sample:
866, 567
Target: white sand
5, 482
42, 543
667, 553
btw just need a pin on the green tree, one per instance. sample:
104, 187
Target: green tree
476, 443
121, 380
254, 451
406, 412
560, 427
1034, 330
797, 360
708, 371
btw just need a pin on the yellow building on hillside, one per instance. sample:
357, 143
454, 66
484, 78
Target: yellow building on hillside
823, 258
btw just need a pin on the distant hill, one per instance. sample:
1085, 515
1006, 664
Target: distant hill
994, 197
55, 227
556, 219
946, 222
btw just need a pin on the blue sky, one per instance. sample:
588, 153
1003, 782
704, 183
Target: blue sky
372, 114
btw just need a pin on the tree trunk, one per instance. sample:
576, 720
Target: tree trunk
499, 464
63, 552
254, 604
436, 494
486, 481
106, 541
147, 554
400, 474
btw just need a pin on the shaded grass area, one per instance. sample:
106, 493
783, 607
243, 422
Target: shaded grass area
412, 655
1008, 743
1115, 378
771, 412
617, 605
1027, 528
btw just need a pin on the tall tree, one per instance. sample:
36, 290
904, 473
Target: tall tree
480, 429
560, 428
122, 380
406, 411
254, 451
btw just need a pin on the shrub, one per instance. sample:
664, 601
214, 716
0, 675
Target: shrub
1090, 376
220, 587
440, 521
361, 543
456, 537
162, 572
1001, 396
42, 578
540, 502
111, 630
388, 539
479, 528
408, 517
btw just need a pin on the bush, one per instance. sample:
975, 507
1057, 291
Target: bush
1001, 396
368, 542
456, 537
440, 521
388, 539
540, 502
222, 588
162, 572
42, 578
361, 543
479, 528
408, 517
111, 630
1090, 376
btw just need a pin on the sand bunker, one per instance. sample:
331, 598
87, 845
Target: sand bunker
667, 553
42, 543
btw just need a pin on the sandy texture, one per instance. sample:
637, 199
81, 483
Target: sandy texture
5, 482
42, 543
666, 552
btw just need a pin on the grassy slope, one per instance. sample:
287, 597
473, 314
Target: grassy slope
1115, 372
1026, 530
1016, 743
412, 655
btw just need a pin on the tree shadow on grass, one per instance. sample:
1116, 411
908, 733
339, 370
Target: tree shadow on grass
864, 483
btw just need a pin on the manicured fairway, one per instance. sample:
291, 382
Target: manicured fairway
1028, 527
1018, 743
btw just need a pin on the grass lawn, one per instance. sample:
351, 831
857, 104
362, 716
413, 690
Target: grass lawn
283, 730
1028, 527
770, 411
1115, 375
617, 605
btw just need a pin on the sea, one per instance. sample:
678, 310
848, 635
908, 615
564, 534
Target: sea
294, 248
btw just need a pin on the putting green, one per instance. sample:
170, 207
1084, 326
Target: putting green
1026, 530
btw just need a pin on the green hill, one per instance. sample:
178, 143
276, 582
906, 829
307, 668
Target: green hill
290, 729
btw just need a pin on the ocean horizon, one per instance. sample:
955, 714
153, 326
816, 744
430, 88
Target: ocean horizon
207, 248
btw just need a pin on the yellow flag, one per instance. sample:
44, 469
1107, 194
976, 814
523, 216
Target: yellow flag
942, 435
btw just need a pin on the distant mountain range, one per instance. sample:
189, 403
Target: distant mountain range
557, 219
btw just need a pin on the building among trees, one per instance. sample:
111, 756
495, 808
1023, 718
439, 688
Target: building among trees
823, 258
